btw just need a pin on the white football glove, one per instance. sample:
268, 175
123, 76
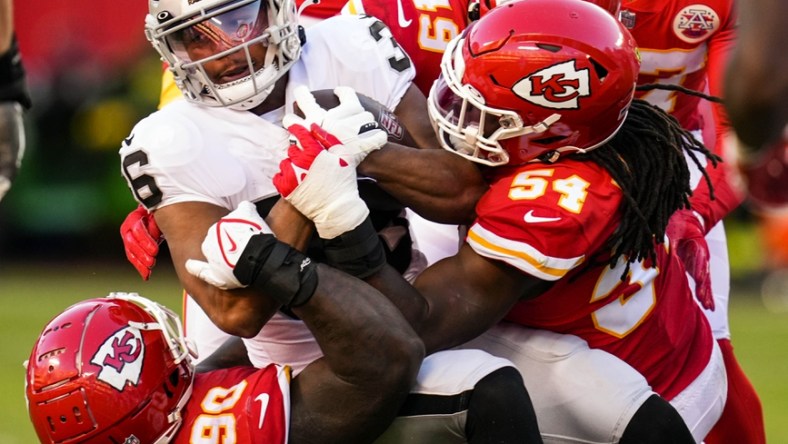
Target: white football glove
320, 184
357, 130
223, 245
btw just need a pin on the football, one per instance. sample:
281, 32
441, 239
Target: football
387, 120
382, 204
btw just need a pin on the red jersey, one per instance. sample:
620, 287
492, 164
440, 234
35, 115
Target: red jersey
422, 28
686, 43
552, 222
238, 405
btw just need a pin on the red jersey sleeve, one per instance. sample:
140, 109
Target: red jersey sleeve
546, 219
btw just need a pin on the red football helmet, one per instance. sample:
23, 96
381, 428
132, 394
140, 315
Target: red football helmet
532, 79
114, 369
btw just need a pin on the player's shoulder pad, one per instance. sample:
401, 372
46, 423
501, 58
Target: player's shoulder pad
169, 134
358, 40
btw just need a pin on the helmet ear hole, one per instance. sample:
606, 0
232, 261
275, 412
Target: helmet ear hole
601, 71
547, 47
170, 386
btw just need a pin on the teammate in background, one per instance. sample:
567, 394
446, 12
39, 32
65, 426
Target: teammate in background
118, 369
686, 44
760, 117
487, 112
756, 83
13, 98
424, 28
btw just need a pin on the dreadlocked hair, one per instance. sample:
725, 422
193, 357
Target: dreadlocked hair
646, 159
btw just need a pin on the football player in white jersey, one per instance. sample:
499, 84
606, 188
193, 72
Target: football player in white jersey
193, 161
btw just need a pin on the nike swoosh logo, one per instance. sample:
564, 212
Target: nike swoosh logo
233, 244
128, 140
401, 16
531, 219
263, 398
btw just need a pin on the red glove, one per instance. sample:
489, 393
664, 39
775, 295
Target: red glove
686, 233
141, 237
300, 156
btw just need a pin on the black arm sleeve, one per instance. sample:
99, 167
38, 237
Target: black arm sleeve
13, 87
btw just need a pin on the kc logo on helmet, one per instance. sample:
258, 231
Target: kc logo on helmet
120, 358
557, 87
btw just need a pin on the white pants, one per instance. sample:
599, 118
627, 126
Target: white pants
443, 373
702, 402
585, 395
581, 395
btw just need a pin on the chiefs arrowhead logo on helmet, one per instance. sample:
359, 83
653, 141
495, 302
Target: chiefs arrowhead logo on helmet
120, 358
557, 87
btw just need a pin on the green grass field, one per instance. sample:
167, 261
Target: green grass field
31, 295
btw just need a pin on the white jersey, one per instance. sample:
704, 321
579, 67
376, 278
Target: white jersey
192, 153
187, 152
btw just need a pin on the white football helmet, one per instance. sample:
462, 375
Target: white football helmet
222, 28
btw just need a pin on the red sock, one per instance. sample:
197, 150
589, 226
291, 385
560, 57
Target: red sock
742, 418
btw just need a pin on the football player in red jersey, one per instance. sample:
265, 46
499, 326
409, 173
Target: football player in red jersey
14, 97
570, 236
686, 44
118, 369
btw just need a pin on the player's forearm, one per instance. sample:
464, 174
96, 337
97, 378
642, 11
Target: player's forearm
290, 226
436, 184
6, 24
11, 144
349, 317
